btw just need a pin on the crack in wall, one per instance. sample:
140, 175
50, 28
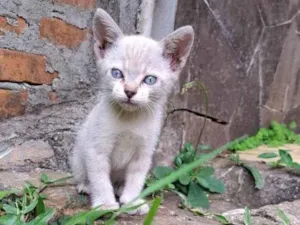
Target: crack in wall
271, 109
199, 114
260, 14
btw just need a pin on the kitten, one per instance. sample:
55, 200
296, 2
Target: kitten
114, 148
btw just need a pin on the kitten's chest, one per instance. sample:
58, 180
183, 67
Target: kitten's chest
126, 146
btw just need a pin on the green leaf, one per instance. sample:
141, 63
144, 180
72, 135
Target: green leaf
171, 186
182, 188
184, 179
40, 207
206, 172
222, 219
162, 171
10, 209
283, 217
188, 147
202, 182
285, 157
293, 125
178, 161
158, 185
235, 158
44, 178
204, 147
8, 219
247, 216
43, 218
197, 197
152, 212
6, 193
188, 157
258, 178
215, 185
295, 165
268, 155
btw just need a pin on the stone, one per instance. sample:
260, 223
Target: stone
86, 4
245, 119
284, 93
280, 185
18, 66
30, 152
267, 214
12, 103
50, 125
244, 35
271, 46
277, 12
11, 179
59, 32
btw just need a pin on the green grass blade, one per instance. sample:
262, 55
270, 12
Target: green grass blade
82, 217
150, 216
258, 178
43, 218
247, 216
222, 219
283, 217
183, 170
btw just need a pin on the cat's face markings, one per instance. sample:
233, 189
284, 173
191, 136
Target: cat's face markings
139, 71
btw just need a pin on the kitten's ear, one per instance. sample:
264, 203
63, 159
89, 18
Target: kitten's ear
106, 32
177, 47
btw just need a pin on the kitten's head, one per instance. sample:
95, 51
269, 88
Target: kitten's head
138, 72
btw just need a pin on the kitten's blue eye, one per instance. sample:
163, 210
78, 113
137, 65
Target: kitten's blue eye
117, 74
150, 80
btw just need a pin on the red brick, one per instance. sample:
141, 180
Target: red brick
59, 32
24, 67
18, 28
87, 4
12, 103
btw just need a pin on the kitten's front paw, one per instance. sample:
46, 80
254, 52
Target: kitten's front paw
83, 188
106, 206
143, 209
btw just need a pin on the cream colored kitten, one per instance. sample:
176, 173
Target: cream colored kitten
114, 147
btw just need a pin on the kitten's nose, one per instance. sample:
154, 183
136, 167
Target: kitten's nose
130, 94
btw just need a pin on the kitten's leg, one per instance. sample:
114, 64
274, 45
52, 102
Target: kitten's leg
79, 171
135, 177
102, 193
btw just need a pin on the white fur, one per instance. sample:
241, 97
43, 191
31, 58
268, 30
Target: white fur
114, 147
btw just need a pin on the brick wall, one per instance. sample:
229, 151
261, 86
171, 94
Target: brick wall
45, 53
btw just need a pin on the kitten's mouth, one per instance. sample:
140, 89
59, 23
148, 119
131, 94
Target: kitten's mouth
128, 104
